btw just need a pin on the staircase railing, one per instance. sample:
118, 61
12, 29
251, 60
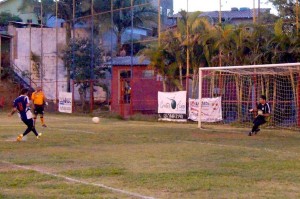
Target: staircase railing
20, 78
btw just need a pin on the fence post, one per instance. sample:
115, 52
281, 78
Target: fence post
91, 95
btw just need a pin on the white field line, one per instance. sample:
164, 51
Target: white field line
136, 195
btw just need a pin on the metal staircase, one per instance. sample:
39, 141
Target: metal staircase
11, 85
24, 81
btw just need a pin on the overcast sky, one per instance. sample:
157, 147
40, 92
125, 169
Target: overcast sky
213, 5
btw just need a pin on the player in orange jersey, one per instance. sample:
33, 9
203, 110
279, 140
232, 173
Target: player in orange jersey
39, 101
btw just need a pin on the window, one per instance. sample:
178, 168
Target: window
169, 12
125, 74
147, 74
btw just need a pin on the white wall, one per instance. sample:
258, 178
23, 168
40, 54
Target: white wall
29, 39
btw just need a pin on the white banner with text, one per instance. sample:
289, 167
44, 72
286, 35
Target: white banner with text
65, 102
211, 109
172, 106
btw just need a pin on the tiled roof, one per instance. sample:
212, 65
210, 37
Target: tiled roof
127, 61
232, 14
239, 14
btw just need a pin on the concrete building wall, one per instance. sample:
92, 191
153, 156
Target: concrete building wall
41, 43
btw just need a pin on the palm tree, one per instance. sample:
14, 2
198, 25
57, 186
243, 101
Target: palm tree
199, 29
124, 16
163, 62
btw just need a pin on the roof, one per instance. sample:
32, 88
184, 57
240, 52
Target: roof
22, 24
127, 61
5, 34
230, 14
235, 14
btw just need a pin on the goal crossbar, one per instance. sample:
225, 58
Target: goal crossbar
250, 66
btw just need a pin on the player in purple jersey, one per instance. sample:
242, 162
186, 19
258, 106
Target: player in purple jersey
22, 106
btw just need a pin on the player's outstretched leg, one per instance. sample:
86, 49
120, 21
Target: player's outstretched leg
38, 135
29, 127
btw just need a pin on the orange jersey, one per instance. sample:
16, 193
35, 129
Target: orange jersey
38, 98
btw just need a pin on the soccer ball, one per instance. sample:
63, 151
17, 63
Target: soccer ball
96, 120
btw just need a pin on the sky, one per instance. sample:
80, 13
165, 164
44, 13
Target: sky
213, 5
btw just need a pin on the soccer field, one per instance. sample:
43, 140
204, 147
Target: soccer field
134, 159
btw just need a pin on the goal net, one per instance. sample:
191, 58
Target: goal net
240, 87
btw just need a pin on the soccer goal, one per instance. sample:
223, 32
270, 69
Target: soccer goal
240, 87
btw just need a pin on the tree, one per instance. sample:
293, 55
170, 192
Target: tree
5, 17
286, 8
285, 48
140, 15
80, 66
287, 11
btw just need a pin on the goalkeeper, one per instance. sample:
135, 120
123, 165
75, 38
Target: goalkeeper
263, 111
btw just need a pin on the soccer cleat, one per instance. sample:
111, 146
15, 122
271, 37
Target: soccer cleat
250, 133
257, 131
19, 138
44, 125
39, 135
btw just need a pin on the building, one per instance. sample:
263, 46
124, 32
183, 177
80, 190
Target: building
13, 7
134, 86
139, 33
166, 10
34, 56
5, 40
235, 16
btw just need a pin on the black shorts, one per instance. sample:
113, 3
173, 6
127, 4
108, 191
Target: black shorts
38, 109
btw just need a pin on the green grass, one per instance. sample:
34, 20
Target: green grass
162, 160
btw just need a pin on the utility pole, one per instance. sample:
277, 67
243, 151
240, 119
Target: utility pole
42, 53
297, 16
0, 58
92, 42
254, 12
220, 12
258, 11
220, 23
56, 57
187, 51
159, 21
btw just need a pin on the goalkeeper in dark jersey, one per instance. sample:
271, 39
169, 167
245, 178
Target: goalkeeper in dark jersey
262, 112
22, 106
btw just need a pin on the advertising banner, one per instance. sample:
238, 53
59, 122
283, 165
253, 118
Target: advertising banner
211, 109
65, 102
172, 106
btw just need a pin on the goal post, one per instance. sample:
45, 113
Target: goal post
240, 87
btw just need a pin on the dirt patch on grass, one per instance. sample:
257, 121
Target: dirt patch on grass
217, 135
6, 168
